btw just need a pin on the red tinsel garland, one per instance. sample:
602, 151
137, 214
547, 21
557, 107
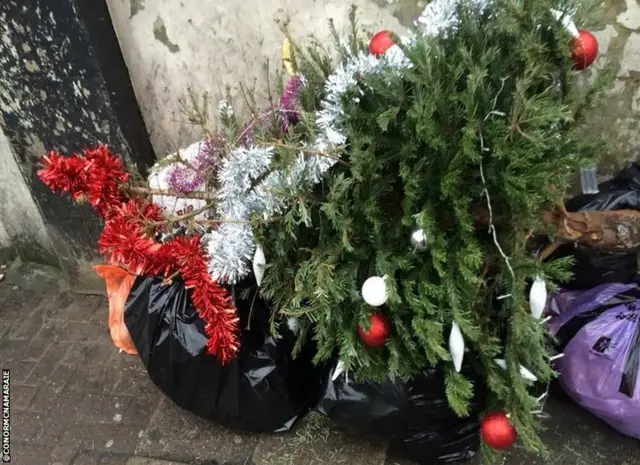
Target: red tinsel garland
95, 177
124, 240
127, 238
215, 307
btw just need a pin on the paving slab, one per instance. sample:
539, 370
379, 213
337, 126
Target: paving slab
148, 461
64, 373
315, 441
175, 434
76, 400
113, 460
576, 437
86, 458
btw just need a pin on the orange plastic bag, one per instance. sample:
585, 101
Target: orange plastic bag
119, 283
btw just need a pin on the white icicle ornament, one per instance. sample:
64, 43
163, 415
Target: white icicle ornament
526, 374
456, 346
259, 262
338, 370
567, 22
538, 297
374, 291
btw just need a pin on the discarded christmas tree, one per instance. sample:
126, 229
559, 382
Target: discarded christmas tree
393, 199
442, 156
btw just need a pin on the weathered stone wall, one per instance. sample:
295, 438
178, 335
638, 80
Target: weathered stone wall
63, 86
172, 45
20, 217
619, 114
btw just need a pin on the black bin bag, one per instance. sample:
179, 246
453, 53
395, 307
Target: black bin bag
263, 390
413, 416
593, 266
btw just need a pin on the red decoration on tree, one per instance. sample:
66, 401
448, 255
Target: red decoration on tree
127, 239
126, 242
212, 301
379, 330
584, 50
95, 177
380, 43
497, 431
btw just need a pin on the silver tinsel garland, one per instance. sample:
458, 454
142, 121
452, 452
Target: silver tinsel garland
231, 247
440, 16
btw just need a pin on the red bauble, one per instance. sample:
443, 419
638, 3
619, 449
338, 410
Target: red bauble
497, 431
379, 330
584, 50
380, 43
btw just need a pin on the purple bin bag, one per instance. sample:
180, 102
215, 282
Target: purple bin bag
601, 360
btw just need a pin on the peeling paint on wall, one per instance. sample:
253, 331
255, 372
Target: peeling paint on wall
63, 86
160, 33
135, 6
214, 45
227, 42
37, 76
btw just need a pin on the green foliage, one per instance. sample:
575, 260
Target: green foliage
493, 109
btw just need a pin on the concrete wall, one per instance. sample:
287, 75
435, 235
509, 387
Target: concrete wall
171, 45
63, 86
20, 218
619, 115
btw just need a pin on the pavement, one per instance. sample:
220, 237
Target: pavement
75, 400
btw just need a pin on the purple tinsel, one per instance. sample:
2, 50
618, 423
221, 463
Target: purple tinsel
183, 179
247, 136
290, 102
189, 178
208, 157
263, 121
286, 113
